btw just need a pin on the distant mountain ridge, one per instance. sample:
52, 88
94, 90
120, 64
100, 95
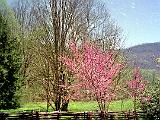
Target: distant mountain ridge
146, 56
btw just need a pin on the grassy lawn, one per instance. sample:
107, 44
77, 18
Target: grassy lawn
92, 106
125, 105
76, 106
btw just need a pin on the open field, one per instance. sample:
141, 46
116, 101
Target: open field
75, 106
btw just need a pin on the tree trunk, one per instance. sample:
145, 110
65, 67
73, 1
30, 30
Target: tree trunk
65, 106
58, 102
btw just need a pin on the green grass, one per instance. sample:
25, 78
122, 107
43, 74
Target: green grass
38, 106
83, 106
92, 106
124, 105
75, 106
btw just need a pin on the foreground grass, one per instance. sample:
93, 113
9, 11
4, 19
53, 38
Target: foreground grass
93, 106
75, 106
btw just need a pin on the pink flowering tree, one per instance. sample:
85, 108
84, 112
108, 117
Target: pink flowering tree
94, 71
136, 87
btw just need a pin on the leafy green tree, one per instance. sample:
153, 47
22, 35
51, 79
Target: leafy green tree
9, 65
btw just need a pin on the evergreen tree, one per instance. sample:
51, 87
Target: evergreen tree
9, 65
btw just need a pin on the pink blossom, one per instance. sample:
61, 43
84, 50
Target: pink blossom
94, 68
73, 46
137, 85
146, 99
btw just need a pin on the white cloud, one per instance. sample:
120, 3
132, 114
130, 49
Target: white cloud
133, 5
123, 13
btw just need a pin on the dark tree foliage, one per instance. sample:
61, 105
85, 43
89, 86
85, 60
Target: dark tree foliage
9, 66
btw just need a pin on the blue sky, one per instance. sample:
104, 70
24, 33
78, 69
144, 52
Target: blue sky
139, 19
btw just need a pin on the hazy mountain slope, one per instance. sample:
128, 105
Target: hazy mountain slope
144, 56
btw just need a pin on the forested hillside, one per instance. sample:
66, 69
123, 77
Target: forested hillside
145, 56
